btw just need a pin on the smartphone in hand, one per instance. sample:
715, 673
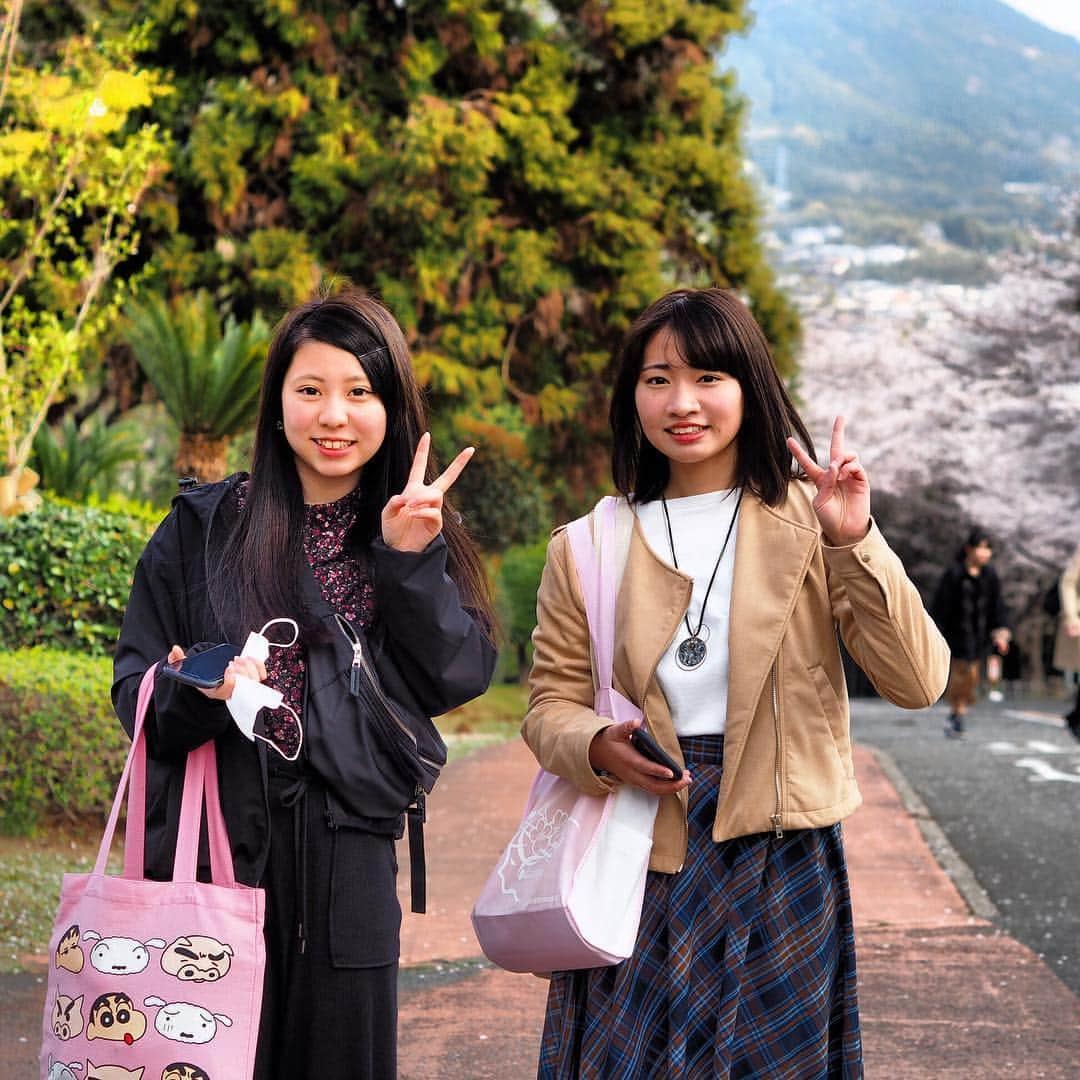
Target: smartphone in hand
649, 748
206, 669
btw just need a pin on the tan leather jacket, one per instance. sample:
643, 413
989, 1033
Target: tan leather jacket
787, 749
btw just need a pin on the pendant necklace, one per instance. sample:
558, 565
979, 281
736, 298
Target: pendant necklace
692, 650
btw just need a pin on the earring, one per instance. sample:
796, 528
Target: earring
280, 425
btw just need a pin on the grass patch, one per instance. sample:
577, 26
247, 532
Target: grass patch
492, 718
31, 870
497, 712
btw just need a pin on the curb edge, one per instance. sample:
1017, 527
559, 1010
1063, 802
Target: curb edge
958, 871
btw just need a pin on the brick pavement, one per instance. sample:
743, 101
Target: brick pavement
943, 992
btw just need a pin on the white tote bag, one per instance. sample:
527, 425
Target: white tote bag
567, 890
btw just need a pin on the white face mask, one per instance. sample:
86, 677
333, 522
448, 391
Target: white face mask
249, 698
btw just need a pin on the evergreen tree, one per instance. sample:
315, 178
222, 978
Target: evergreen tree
517, 180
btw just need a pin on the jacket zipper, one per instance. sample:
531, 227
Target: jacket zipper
360, 666
777, 819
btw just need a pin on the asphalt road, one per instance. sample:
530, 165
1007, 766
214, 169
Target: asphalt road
1007, 797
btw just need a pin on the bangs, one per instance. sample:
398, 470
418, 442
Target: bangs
701, 344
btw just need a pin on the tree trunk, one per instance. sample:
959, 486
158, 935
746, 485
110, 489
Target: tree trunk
202, 457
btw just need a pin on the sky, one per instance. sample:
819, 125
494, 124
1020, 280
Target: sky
1061, 15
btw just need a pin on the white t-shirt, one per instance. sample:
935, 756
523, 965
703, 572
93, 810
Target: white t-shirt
697, 697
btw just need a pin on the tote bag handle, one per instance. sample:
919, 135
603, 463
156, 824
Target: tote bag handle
200, 785
598, 572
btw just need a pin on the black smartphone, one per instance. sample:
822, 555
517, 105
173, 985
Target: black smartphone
648, 747
205, 670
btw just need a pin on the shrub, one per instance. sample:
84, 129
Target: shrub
65, 573
62, 748
518, 581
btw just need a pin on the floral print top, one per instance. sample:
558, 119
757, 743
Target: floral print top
345, 584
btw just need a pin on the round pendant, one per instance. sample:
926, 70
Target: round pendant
690, 653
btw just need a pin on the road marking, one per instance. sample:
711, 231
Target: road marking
1048, 747
1045, 771
1046, 719
1031, 746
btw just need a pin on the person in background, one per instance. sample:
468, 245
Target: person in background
970, 611
1067, 641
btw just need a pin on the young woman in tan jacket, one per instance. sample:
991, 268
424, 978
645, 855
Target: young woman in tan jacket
742, 566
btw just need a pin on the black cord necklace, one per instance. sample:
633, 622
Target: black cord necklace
691, 651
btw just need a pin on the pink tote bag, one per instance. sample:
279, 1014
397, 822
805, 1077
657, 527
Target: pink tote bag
156, 980
567, 890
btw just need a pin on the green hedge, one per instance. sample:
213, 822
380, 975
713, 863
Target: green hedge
62, 748
65, 573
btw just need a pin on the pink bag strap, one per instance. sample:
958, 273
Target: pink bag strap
201, 787
135, 770
596, 571
200, 773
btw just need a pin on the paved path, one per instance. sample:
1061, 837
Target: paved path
943, 992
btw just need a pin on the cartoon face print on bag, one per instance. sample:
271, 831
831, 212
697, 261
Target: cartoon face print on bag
180, 1070
114, 1017
69, 956
186, 1023
195, 958
59, 1071
120, 955
113, 1072
67, 1016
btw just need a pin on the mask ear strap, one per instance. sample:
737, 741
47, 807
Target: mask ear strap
274, 746
282, 644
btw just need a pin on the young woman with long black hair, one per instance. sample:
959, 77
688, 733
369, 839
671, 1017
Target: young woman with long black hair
343, 527
741, 568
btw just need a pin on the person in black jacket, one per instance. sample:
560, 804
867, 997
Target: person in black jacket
341, 526
971, 614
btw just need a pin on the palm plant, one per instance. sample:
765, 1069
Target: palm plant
75, 461
206, 375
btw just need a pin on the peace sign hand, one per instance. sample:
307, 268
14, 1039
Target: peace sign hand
842, 503
411, 520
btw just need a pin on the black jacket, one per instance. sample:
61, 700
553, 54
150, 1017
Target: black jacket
371, 744
966, 608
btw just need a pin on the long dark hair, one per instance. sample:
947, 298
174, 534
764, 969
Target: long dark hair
714, 331
261, 570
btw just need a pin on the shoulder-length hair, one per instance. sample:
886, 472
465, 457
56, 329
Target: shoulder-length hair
264, 559
714, 331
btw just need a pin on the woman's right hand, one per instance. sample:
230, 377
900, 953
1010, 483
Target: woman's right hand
247, 666
611, 751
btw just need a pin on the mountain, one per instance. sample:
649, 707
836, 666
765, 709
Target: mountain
913, 106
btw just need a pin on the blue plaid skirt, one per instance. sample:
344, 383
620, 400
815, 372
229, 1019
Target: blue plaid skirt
744, 964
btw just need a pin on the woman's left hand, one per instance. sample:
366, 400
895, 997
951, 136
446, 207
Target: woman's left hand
411, 520
842, 503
